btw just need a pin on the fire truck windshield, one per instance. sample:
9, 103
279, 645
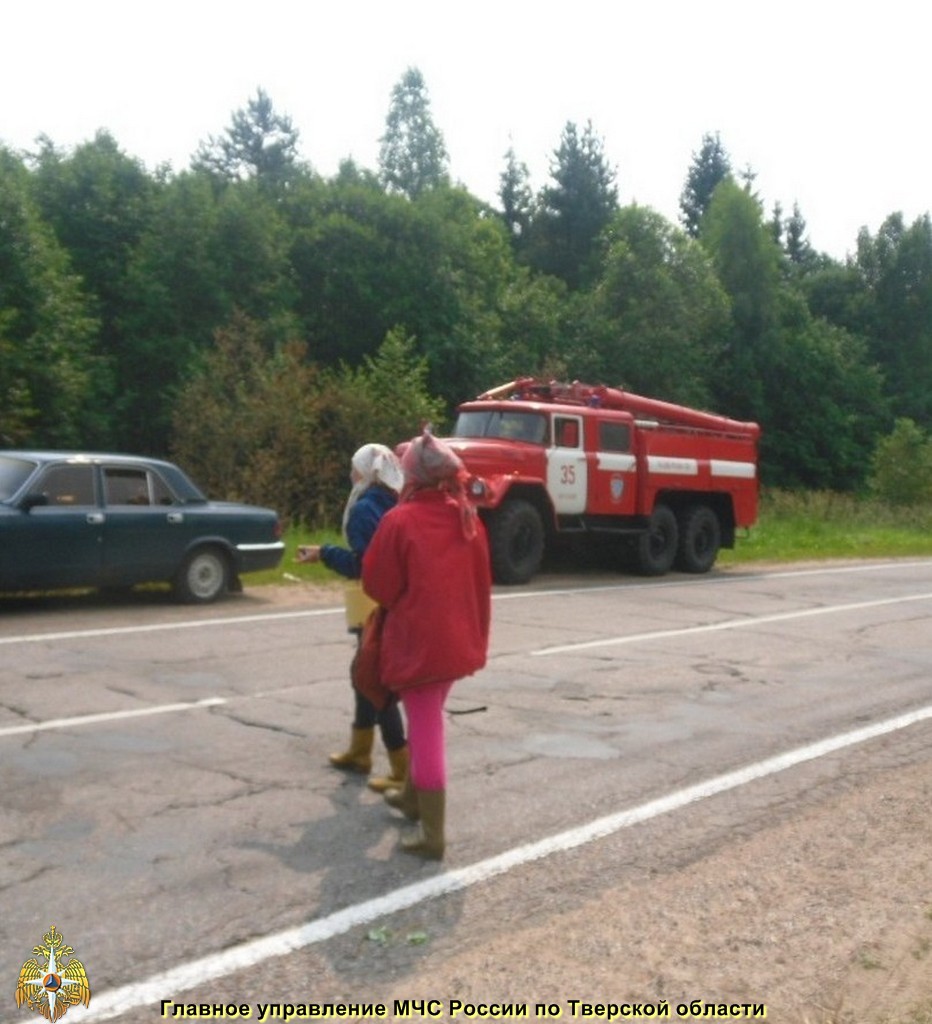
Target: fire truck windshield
512, 425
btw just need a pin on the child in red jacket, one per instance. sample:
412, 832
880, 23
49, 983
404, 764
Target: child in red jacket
428, 565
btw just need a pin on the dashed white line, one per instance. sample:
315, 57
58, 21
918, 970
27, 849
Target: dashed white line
109, 716
158, 627
712, 627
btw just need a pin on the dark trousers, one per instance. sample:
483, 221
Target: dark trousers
388, 719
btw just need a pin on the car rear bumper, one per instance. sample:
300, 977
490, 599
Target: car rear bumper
256, 557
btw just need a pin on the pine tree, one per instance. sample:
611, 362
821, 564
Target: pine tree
710, 167
575, 210
412, 157
259, 143
515, 194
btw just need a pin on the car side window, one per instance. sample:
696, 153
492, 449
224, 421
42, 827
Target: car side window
566, 432
161, 495
126, 486
69, 486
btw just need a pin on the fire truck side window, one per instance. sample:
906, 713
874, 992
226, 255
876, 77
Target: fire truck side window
614, 437
567, 432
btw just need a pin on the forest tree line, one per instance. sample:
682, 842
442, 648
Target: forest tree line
258, 321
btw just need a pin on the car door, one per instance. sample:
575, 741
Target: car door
567, 469
144, 536
58, 543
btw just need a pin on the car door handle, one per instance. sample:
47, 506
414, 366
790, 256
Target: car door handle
176, 517
95, 518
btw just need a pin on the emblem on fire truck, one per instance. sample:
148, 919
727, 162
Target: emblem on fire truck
47, 984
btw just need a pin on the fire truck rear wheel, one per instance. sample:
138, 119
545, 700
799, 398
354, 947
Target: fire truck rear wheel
655, 549
516, 542
700, 539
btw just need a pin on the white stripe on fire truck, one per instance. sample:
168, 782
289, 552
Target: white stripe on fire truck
615, 462
669, 464
722, 467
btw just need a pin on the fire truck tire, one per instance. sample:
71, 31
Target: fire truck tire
656, 548
516, 542
700, 539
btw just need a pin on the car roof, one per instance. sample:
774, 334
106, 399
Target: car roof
52, 455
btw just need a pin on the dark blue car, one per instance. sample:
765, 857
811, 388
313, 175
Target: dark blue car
70, 519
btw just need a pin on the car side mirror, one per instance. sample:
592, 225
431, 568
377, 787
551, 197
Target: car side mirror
33, 500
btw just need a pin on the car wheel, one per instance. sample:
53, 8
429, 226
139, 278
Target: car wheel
203, 577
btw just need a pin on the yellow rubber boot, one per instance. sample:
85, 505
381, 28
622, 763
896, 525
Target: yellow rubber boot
404, 800
429, 841
398, 772
358, 757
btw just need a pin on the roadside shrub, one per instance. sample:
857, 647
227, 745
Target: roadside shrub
274, 429
901, 467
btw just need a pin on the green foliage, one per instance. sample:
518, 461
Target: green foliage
710, 167
516, 198
272, 428
49, 369
901, 467
204, 255
896, 267
412, 157
822, 442
574, 210
664, 311
260, 144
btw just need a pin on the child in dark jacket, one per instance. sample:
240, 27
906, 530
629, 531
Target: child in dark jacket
376, 478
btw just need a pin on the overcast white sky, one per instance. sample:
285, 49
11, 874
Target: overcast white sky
827, 101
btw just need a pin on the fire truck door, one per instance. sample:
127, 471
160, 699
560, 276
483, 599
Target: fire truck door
566, 467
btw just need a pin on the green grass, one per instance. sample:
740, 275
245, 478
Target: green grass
821, 524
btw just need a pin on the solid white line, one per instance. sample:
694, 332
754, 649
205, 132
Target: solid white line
169, 984
713, 627
109, 716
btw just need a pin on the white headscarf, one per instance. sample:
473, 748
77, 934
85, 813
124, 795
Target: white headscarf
374, 464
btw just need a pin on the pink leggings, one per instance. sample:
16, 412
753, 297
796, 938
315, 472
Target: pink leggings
426, 743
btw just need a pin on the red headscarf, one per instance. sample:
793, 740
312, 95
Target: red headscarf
430, 463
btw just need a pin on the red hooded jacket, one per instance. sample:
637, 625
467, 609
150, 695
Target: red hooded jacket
436, 584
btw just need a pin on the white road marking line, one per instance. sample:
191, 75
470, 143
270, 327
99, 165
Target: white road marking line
712, 627
109, 716
170, 984
158, 627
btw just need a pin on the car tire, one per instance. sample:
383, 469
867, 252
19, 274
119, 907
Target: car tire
656, 547
516, 542
203, 577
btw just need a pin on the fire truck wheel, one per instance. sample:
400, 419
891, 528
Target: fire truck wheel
516, 542
700, 539
656, 547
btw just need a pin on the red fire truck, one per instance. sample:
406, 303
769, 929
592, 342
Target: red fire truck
667, 484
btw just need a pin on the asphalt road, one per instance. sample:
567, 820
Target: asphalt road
165, 800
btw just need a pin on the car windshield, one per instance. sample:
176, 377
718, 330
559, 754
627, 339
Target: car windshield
14, 472
513, 425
